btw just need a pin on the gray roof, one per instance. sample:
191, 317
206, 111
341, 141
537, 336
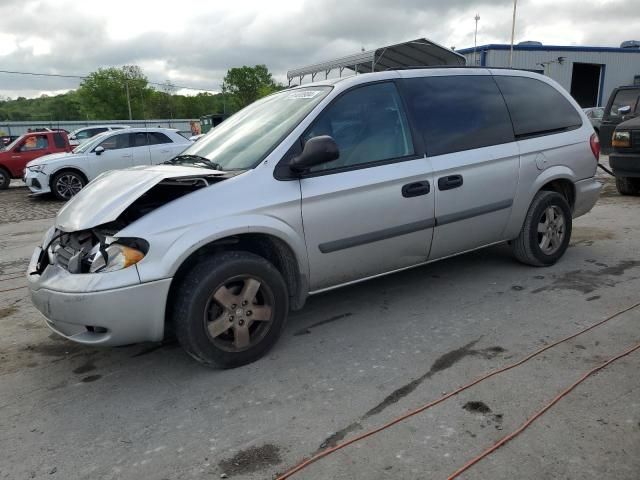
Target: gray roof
415, 53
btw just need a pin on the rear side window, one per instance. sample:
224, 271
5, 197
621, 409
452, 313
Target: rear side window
140, 139
58, 140
624, 98
156, 138
458, 113
536, 107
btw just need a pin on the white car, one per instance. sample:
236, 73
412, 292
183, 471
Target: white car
81, 135
65, 174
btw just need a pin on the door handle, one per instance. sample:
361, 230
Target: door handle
127, 155
449, 182
415, 189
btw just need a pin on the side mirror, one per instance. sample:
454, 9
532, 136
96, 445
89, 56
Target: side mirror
624, 110
317, 150
98, 150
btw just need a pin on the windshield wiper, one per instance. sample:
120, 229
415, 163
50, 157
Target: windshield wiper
196, 160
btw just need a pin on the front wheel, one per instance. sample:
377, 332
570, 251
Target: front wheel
230, 309
546, 231
67, 184
5, 179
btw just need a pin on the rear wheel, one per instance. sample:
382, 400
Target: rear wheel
5, 179
628, 186
546, 231
67, 184
230, 309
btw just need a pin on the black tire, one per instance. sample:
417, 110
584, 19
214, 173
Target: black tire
192, 312
527, 247
66, 184
5, 179
628, 186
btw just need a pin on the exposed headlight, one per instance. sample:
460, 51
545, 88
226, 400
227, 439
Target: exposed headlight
36, 168
117, 257
621, 139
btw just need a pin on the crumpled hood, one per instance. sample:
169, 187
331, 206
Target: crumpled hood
106, 197
50, 157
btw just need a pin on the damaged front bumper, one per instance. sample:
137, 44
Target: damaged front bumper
109, 309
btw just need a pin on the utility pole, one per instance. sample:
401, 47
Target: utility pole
224, 103
513, 32
126, 86
475, 40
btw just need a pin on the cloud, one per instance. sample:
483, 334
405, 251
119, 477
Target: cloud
195, 44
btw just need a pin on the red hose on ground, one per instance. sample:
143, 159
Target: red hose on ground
539, 413
305, 463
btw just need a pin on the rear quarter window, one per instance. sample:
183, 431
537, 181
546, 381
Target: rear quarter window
156, 138
536, 107
458, 113
58, 140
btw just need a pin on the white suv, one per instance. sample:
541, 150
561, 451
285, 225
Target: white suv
65, 174
81, 135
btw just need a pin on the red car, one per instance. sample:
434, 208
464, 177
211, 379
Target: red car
26, 148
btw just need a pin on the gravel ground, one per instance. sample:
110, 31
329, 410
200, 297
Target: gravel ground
16, 205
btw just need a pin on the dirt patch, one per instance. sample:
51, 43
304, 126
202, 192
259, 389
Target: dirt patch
586, 281
7, 311
476, 407
340, 435
87, 367
307, 330
251, 460
589, 235
442, 363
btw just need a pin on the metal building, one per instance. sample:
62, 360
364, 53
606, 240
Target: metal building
588, 73
415, 53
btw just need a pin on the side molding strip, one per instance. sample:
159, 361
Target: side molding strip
341, 244
371, 237
473, 212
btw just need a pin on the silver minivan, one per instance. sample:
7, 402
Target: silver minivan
310, 189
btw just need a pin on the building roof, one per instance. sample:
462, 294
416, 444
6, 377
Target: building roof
419, 52
564, 48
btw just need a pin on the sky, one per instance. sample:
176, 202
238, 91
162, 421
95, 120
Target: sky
193, 43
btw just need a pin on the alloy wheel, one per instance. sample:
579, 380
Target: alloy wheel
68, 185
551, 230
239, 313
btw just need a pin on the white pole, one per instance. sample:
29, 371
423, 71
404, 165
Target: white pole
513, 32
475, 40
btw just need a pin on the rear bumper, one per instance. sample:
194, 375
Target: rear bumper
93, 309
587, 194
625, 164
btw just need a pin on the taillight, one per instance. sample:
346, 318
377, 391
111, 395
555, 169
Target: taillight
594, 141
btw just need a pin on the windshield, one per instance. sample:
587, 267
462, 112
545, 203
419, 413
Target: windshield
89, 144
243, 140
15, 142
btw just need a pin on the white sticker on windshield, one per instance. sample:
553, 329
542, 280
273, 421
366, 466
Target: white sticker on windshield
304, 94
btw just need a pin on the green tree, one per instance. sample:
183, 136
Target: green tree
247, 84
104, 93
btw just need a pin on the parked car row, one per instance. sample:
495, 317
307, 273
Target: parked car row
48, 163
